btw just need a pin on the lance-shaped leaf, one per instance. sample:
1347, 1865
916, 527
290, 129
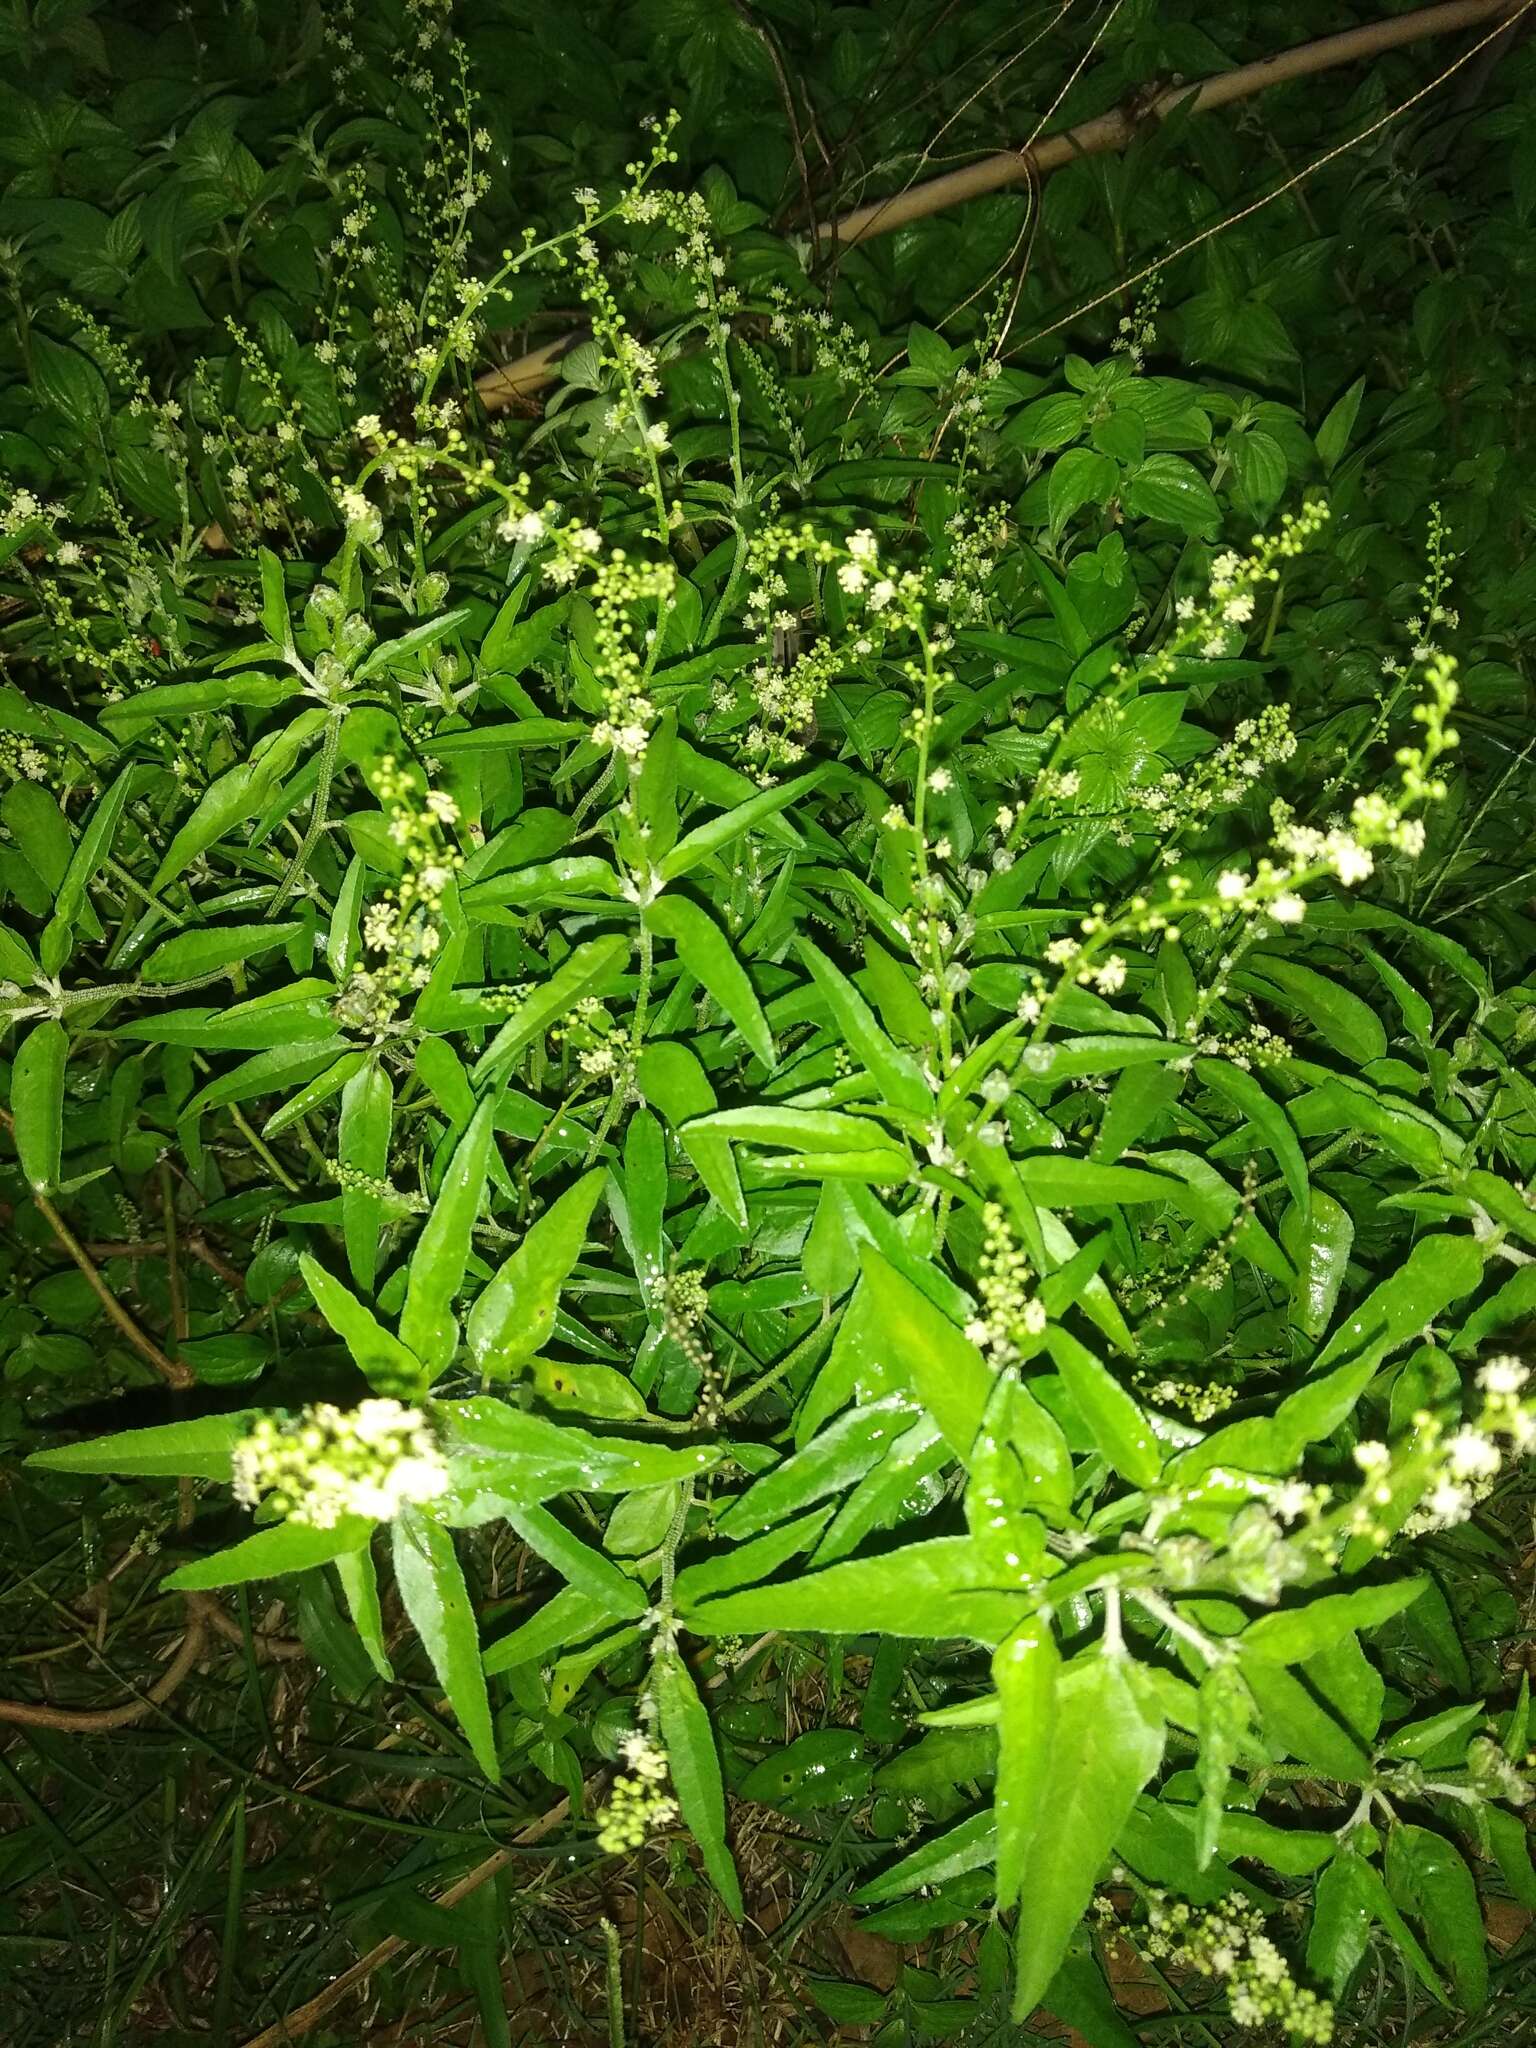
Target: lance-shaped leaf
578, 1563
1105, 1748
706, 953
270, 1553
592, 966
1026, 1671
895, 1072
37, 1102
515, 1315
427, 1325
437, 1600
695, 1766
382, 1359
200, 1448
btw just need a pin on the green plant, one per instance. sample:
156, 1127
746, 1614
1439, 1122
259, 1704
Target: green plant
809, 994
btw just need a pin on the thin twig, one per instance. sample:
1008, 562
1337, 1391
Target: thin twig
103, 1720
171, 1370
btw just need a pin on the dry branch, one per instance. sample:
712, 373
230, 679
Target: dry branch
1115, 130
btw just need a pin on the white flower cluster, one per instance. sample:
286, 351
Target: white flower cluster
1227, 1942
401, 927
1013, 1313
636, 1804
372, 1461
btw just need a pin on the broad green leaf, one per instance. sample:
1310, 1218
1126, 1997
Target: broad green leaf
594, 964
1025, 1671
1318, 1240
1439, 1270
695, 1766
894, 1071
212, 949
270, 1553
706, 953
1294, 1633
578, 1563
937, 1588
1428, 1877
1335, 1012
1332, 436
362, 1147
1341, 1923
1167, 487
832, 1461
1120, 1431
514, 1316
1301, 1726
201, 1448
427, 1324
711, 838
437, 1601
919, 1343
37, 1102
1103, 1751
586, 1389
1267, 1117
386, 1363
972, 1844
1350, 1895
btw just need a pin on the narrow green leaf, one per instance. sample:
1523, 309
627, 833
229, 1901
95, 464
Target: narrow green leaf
833, 1460
37, 1102
514, 1316
711, 838
427, 1324
1267, 1117
695, 1767
1294, 1633
971, 1844
213, 948
201, 1448
360, 1583
437, 1600
270, 1554
1319, 1243
706, 953
942, 1587
895, 1072
1025, 1670
1120, 1431
386, 1363
1440, 1269
362, 1147
917, 1341
592, 965
578, 1563
1104, 1749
